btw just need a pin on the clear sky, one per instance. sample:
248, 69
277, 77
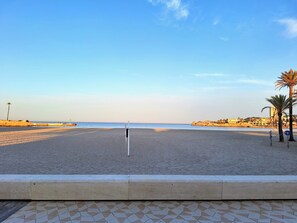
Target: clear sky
143, 60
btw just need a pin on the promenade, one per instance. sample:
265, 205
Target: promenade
171, 152
158, 212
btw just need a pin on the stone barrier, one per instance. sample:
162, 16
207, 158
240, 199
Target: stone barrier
146, 187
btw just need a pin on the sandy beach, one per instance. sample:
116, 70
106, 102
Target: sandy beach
104, 151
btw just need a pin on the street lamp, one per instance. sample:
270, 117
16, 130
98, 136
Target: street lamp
8, 104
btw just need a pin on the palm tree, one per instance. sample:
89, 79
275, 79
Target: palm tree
288, 79
280, 103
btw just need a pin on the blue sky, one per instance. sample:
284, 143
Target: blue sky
143, 60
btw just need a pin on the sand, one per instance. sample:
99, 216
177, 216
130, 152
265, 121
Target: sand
95, 151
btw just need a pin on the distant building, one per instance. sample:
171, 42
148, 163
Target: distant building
272, 112
222, 121
258, 121
232, 120
261, 121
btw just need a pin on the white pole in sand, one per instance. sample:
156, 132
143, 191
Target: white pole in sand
128, 139
126, 133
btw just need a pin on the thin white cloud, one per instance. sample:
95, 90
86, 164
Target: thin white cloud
225, 80
180, 10
218, 87
209, 75
291, 26
255, 82
216, 21
183, 12
172, 4
245, 81
225, 39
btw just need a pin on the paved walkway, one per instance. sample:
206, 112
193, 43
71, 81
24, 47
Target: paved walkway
158, 211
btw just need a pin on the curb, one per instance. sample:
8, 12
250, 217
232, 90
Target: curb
147, 187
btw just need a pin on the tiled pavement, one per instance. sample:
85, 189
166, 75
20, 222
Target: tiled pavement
158, 211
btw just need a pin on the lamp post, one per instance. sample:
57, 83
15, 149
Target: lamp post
8, 108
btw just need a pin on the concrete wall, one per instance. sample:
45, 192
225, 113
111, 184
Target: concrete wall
146, 187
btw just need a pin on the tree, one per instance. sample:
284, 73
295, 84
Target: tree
288, 79
280, 103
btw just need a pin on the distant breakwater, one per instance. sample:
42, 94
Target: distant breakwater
27, 123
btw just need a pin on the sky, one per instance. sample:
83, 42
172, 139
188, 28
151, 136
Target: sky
158, 61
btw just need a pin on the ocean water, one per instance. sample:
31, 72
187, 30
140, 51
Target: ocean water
119, 125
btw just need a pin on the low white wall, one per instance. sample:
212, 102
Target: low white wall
146, 187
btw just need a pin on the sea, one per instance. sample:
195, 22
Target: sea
133, 125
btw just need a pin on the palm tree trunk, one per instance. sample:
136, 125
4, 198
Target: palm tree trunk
280, 128
291, 115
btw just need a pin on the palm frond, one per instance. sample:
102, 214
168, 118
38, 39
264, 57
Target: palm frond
287, 79
265, 108
280, 102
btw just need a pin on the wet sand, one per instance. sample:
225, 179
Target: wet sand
95, 151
